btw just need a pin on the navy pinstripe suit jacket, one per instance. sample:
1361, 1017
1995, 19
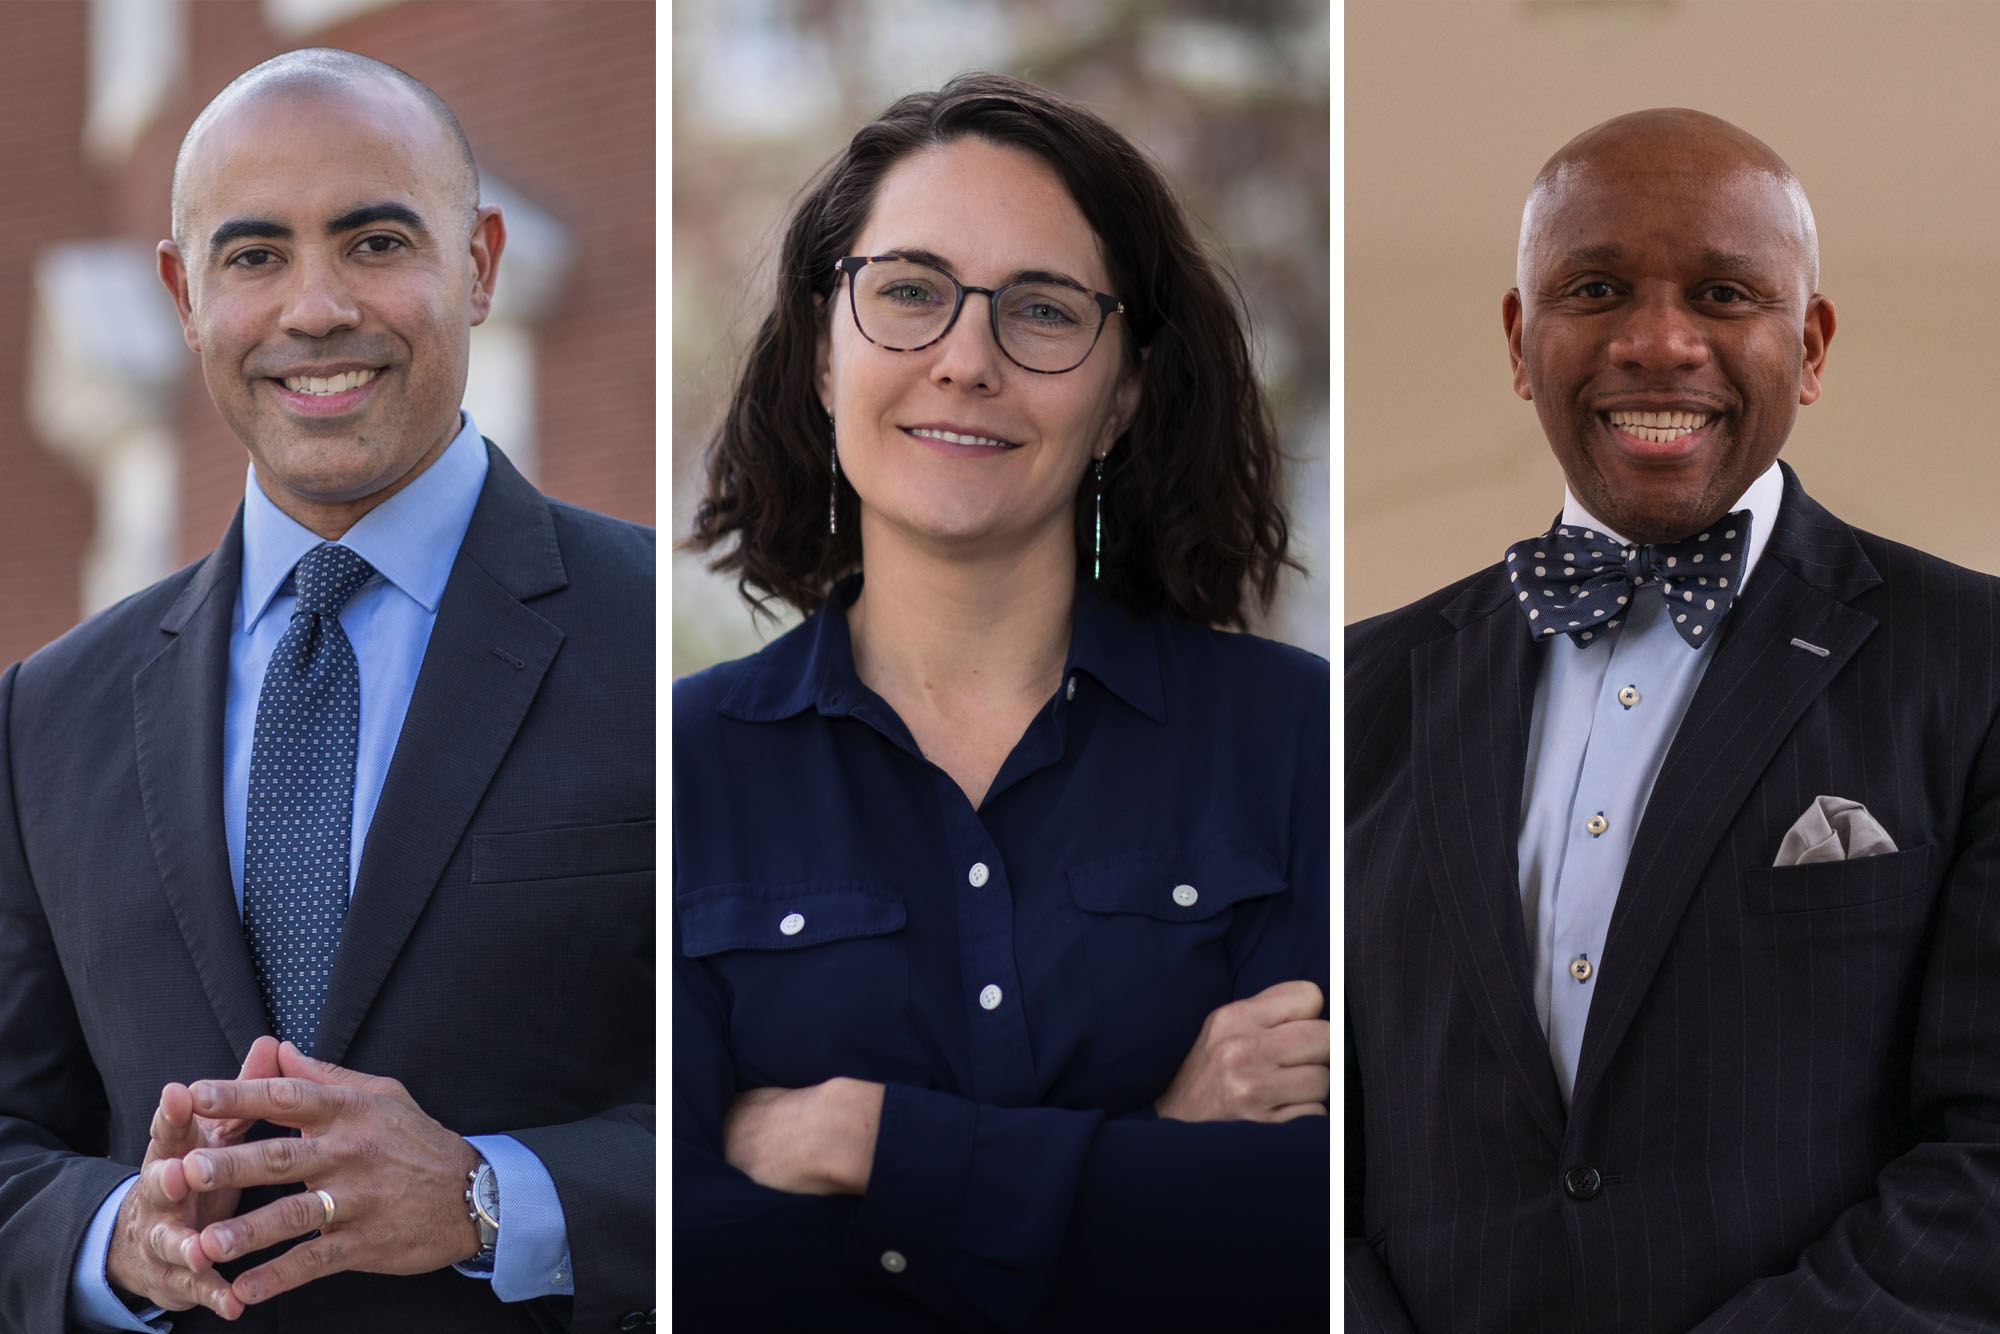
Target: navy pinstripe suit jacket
1787, 1107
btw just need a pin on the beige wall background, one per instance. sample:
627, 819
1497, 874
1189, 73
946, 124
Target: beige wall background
1888, 112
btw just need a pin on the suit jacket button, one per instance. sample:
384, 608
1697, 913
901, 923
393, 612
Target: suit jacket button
1582, 1183
635, 1320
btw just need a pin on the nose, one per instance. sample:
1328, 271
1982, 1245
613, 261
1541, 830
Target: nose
967, 356
319, 301
1658, 332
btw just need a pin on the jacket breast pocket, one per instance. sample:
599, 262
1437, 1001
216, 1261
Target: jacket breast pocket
568, 852
1826, 886
813, 975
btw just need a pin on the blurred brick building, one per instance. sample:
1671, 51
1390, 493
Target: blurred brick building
114, 466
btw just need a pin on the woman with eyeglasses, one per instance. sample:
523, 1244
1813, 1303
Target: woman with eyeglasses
1001, 883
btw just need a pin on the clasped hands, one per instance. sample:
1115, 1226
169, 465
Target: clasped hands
1262, 1058
397, 1179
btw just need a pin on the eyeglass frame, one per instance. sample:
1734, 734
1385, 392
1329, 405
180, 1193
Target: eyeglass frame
1107, 306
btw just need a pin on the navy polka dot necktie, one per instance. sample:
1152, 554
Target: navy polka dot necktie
1576, 581
295, 844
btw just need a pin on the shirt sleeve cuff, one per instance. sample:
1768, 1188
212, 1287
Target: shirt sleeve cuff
972, 1199
91, 1299
532, 1256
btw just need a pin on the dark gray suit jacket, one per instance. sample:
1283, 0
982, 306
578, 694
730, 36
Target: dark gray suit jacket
497, 955
1787, 1108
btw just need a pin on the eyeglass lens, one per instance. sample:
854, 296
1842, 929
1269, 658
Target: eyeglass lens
901, 304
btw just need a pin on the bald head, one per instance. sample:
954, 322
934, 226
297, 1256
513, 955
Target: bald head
1667, 324
323, 72
1667, 141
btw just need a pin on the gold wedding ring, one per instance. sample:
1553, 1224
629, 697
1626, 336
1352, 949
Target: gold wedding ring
326, 1210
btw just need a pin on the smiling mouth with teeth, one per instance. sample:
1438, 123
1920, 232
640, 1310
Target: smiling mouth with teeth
1659, 428
956, 438
332, 384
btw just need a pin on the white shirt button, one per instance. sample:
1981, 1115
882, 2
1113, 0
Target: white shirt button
989, 997
1069, 691
894, 1262
1580, 969
793, 924
1628, 696
978, 875
1185, 895
1596, 824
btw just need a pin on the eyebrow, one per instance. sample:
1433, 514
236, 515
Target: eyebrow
1710, 261
238, 229
1726, 261
938, 261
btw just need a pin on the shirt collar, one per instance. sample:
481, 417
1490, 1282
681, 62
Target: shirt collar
1761, 499
1120, 649
411, 539
812, 665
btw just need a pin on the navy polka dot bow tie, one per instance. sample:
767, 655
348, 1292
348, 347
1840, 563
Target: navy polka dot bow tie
296, 834
1577, 581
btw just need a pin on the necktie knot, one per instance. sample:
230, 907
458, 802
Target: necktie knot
1579, 582
327, 576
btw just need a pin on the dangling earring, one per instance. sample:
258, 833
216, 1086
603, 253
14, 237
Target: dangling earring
1097, 541
833, 491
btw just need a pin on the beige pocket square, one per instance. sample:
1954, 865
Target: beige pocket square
1833, 829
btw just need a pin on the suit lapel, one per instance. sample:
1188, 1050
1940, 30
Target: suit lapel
485, 662
178, 702
1749, 700
1472, 693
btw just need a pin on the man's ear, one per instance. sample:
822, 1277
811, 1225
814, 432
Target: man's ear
1510, 316
1818, 333
489, 238
174, 274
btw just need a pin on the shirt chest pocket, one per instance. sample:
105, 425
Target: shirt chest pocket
1191, 888
813, 973
1165, 929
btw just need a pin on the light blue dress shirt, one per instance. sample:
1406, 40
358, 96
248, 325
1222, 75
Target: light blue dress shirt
412, 540
1605, 714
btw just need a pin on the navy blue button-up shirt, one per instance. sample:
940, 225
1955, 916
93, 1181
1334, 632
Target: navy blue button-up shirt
1024, 978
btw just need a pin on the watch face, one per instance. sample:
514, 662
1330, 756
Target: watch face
486, 1193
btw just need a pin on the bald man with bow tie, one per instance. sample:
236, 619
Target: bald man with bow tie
1673, 850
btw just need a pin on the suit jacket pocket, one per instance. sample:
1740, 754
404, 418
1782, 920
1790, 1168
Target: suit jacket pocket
566, 853
1824, 886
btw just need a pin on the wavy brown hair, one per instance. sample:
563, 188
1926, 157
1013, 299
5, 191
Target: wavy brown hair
1193, 519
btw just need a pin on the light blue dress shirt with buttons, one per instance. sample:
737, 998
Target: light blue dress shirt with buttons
1605, 714
412, 540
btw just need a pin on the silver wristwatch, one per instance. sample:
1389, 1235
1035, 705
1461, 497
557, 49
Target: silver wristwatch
482, 1206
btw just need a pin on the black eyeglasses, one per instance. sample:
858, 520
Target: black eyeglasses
1044, 325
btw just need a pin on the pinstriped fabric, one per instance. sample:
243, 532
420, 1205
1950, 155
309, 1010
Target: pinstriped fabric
1789, 1089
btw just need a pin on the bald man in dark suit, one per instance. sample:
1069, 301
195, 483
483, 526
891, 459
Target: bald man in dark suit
1673, 944
326, 864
